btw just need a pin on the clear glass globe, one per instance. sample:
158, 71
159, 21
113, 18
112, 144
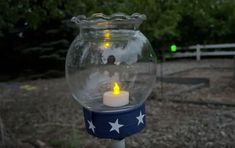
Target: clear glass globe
109, 51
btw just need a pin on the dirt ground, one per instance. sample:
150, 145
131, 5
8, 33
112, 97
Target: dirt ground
42, 113
220, 90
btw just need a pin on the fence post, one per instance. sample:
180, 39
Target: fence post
234, 67
198, 52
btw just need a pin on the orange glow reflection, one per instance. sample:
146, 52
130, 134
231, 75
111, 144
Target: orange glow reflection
106, 45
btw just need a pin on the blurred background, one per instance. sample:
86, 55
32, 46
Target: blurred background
35, 34
192, 104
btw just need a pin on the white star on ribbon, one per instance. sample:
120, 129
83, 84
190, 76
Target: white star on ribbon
115, 126
140, 118
91, 126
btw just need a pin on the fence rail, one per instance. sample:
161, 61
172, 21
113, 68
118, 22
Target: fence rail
197, 51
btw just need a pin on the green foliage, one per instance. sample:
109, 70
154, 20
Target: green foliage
35, 34
183, 21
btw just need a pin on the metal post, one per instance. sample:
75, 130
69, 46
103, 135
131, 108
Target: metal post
118, 143
198, 52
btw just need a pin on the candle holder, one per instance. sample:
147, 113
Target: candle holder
111, 70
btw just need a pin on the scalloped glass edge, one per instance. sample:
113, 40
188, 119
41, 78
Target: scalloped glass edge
135, 18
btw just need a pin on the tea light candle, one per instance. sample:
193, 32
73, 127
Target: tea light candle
116, 98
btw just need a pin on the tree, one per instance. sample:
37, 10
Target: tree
26, 26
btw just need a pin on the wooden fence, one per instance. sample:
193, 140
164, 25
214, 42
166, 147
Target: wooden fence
199, 50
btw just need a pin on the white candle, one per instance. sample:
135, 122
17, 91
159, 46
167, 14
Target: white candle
116, 98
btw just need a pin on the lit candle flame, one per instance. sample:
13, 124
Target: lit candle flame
116, 89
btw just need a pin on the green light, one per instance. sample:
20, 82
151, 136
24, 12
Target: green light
173, 48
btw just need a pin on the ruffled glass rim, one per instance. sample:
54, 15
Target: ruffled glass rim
101, 20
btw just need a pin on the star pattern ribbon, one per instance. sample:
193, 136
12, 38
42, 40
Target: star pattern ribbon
115, 125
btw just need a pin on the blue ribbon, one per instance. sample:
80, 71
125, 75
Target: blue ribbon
115, 125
